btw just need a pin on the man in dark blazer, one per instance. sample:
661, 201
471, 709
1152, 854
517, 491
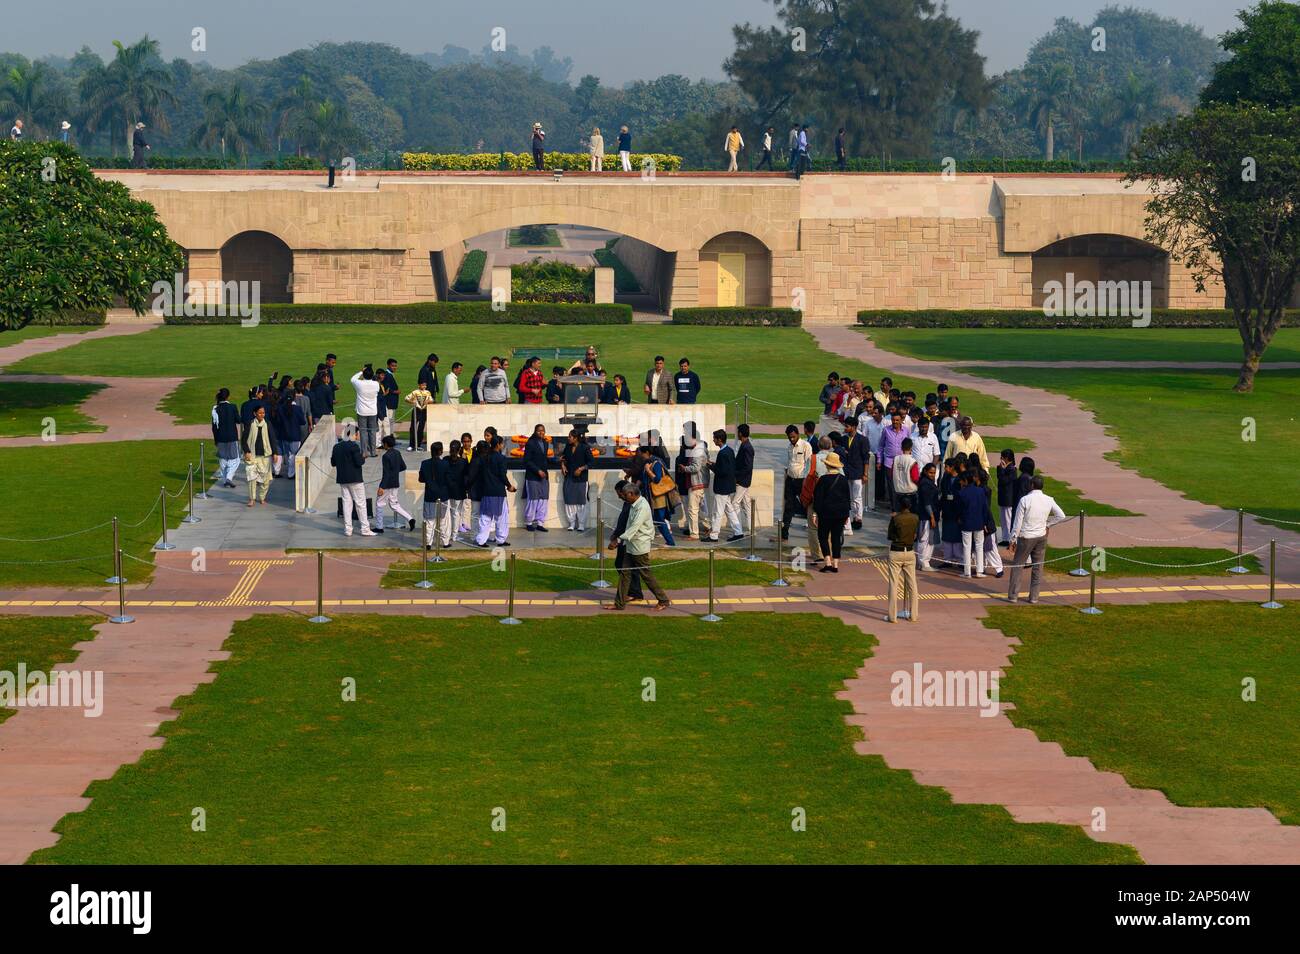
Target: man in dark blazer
348, 463
855, 455
724, 489
391, 394
659, 383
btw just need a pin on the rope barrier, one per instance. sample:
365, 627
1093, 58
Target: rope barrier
1189, 566
177, 569
1189, 536
1256, 516
62, 536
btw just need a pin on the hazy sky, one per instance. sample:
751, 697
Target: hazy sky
617, 40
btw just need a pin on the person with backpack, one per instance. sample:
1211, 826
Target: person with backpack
658, 488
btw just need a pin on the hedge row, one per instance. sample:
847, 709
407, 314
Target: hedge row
973, 165
429, 313
489, 161
470, 275
739, 316
69, 319
1034, 318
204, 162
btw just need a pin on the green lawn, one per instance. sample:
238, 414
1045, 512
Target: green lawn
1134, 561
577, 574
1155, 693
547, 238
1185, 429
56, 489
779, 365
1071, 344
1067, 497
456, 718
40, 643
24, 408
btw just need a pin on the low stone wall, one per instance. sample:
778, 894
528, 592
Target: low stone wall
313, 464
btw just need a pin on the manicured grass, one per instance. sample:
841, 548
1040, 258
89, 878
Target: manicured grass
517, 240
456, 718
1071, 344
1137, 561
55, 489
1067, 497
782, 366
1155, 693
40, 643
559, 575
24, 408
1185, 429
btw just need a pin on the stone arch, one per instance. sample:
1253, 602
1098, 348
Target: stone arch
257, 256
1102, 257
719, 258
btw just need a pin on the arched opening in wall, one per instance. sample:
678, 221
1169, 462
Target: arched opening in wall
550, 261
263, 258
735, 270
1106, 264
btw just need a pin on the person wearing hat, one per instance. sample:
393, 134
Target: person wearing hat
65, 126
831, 501
138, 147
539, 138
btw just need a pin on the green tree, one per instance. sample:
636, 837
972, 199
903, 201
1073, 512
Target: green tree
133, 87
1225, 201
31, 94
1129, 108
292, 110
883, 69
232, 118
328, 132
1050, 94
1265, 63
73, 241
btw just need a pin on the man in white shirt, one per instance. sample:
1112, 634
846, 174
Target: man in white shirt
452, 391
796, 469
1034, 516
925, 446
367, 388
637, 538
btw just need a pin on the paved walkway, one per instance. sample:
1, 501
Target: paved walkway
1129, 365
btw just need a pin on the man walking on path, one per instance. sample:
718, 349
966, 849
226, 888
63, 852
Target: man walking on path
225, 434
493, 514
139, 147
625, 149
724, 491
767, 150
261, 453
735, 143
903, 527
1035, 515
636, 540
348, 463
796, 469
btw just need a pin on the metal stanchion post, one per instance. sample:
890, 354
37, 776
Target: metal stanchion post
744, 410
710, 616
753, 534
203, 472
117, 564
1272, 577
423, 583
780, 564
871, 481
437, 540
1079, 570
509, 619
1241, 520
162, 496
1091, 608
121, 616
320, 616
601, 583
599, 524
190, 517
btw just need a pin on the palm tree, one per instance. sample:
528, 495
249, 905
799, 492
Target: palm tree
232, 118
293, 108
328, 132
1130, 108
1050, 90
28, 95
129, 89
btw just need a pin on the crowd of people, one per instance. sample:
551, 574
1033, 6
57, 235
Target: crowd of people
870, 448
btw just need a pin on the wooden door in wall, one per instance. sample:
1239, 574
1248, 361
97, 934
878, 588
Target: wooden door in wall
731, 279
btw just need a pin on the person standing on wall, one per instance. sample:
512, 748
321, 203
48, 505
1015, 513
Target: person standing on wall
139, 147
596, 148
767, 150
625, 149
735, 142
793, 146
841, 152
539, 147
